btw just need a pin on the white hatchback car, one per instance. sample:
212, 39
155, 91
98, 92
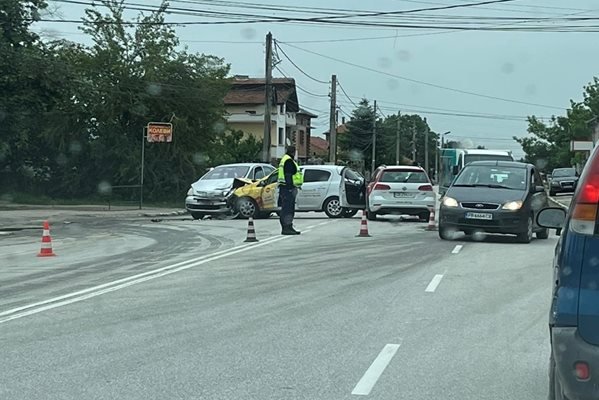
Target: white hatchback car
400, 190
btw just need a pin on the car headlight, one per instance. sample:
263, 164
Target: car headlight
450, 202
190, 192
513, 205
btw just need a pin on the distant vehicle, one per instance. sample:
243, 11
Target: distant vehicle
574, 312
399, 190
494, 197
563, 180
210, 194
320, 192
454, 160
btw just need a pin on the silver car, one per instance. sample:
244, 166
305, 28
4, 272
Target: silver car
209, 194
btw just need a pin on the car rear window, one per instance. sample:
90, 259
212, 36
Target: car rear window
231, 172
403, 176
565, 172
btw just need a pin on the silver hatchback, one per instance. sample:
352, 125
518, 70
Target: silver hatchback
209, 195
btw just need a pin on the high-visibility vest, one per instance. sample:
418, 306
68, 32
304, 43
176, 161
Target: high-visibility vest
298, 177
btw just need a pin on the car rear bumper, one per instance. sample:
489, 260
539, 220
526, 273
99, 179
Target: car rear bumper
568, 349
507, 222
206, 206
384, 206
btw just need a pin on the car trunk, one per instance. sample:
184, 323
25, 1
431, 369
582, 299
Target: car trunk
399, 186
588, 298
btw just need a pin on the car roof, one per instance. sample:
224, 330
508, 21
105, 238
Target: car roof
242, 165
492, 163
407, 167
487, 152
337, 168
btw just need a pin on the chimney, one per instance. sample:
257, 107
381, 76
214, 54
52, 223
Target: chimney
342, 120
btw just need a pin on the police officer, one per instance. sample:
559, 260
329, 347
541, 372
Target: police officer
290, 179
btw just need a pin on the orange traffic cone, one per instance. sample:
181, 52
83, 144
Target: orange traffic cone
432, 225
363, 226
46, 250
251, 235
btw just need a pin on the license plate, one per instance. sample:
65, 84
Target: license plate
402, 194
473, 215
205, 202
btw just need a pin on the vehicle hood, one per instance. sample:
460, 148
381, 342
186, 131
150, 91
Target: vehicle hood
565, 178
485, 194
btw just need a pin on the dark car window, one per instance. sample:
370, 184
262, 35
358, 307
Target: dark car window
258, 173
272, 178
564, 172
510, 177
316, 175
403, 176
225, 172
352, 175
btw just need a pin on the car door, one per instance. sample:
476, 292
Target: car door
539, 197
352, 189
270, 192
314, 189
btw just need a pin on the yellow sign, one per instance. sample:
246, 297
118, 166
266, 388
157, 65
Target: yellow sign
160, 132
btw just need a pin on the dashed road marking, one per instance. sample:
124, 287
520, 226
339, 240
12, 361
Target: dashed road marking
457, 249
432, 286
376, 369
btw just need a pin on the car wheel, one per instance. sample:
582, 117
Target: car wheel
445, 233
247, 208
332, 208
543, 234
551, 193
371, 216
526, 237
196, 215
350, 213
424, 216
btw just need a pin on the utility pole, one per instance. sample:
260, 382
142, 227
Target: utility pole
397, 157
267, 101
413, 142
373, 141
426, 129
333, 122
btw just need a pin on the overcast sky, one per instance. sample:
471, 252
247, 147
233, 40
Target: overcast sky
543, 68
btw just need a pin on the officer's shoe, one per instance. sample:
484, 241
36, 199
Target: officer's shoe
288, 230
295, 232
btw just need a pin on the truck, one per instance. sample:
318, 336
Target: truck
453, 160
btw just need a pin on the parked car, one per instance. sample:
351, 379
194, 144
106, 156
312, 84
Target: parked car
320, 192
401, 190
494, 197
563, 180
574, 317
211, 194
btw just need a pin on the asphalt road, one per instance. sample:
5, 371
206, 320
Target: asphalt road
181, 309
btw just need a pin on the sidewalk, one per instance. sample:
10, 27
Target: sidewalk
21, 216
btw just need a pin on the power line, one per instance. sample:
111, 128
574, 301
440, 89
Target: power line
346, 95
297, 67
422, 82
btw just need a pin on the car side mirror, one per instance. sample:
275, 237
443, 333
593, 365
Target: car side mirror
552, 218
455, 170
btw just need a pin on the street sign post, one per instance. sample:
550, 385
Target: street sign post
160, 132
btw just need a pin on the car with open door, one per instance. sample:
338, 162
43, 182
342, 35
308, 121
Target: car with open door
574, 312
352, 190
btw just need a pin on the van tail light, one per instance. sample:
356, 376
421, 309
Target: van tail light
584, 211
380, 186
426, 188
582, 371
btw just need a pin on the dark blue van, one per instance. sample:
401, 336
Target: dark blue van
574, 316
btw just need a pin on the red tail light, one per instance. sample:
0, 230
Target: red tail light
584, 213
426, 188
380, 186
582, 370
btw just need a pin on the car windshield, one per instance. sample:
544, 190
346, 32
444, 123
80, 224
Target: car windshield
565, 172
492, 177
403, 176
233, 171
486, 157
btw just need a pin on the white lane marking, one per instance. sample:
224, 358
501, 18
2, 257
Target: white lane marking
432, 286
140, 277
457, 249
376, 369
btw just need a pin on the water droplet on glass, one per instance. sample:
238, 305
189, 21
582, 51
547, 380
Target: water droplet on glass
478, 236
154, 89
75, 147
594, 261
392, 84
562, 347
248, 33
355, 155
403, 55
531, 89
569, 293
219, 127
541, 163
593, 285
199, 158
6, 198
2, 114
567, 271
61, 159
104, 187
507, 68
385, 62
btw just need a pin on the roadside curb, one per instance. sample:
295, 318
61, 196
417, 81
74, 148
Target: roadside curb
557, 203
167, 214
